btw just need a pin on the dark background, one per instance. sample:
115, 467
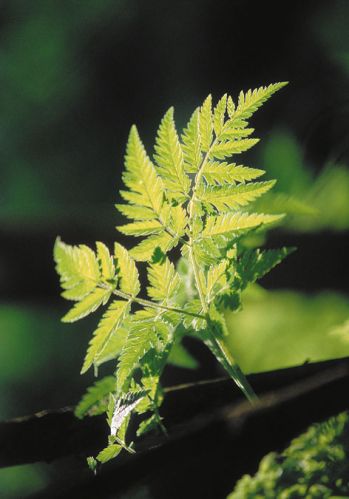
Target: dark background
74, 76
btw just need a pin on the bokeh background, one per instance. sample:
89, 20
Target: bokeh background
74, 76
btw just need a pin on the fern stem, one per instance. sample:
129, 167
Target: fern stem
198, 281
217, 346
157, 414
221, 351
150, 304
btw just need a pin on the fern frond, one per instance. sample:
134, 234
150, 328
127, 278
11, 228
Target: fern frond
109, 453
188, 196
166, 239
78, 269
233, 222
106, 262
123, 407
178, 222
252, 100
216, 279
141, 228
152, 365
135, 212
231, 197
95, 399
192, 143
147, 425
143, 335
224, 150
144, 251
169, 158
224, 173
230, 107
98, 297
112, 347
219, 114
140, 177
207, 252
127, 271
254, 264
235, 133
164, 281
195, 307
110, 322
206, 124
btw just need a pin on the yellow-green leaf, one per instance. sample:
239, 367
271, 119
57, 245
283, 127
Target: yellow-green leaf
110, 322
87, 305
127, 271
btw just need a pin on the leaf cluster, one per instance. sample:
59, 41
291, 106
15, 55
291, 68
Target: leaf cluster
191, 195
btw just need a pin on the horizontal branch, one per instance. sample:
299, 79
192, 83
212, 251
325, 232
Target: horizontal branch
187, 410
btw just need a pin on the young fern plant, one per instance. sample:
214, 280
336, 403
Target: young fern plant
188, 196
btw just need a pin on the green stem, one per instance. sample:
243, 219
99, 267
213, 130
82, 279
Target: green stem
216, 345
150, 304
221, 351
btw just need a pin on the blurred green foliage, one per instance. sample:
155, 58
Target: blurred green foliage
34, 347
20, 481
279, 329
312, 202
45, 90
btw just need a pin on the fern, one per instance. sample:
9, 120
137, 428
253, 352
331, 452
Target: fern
188, 195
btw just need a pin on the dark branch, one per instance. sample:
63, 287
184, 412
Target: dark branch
189, 410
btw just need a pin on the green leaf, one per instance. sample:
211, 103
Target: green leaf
140, 177
230, 107
145, 250
109, 324
207, 252
178, 222
141, 338
164, 281
141, 228
216, 279
92, 464
112, 347
192, 143
135, 212
224, 150
106, 262
232, 197
147, 425
109, 453
254, 264
235, 133
169, 158
252, 100
127, 271
224, 173
78, 269
194, 307
87, 305
95, 399
219, 114
123, 407
234, 222
206, 124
